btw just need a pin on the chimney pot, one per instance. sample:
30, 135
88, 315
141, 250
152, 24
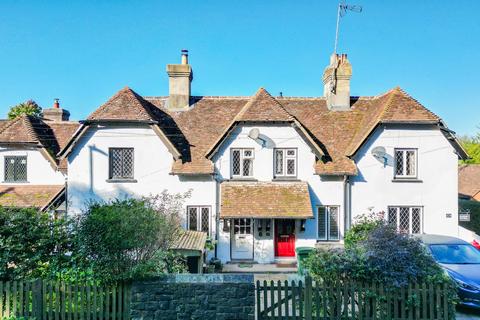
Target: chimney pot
56, 103
55, 113
184, 56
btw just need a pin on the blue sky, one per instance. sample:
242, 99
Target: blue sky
84, 51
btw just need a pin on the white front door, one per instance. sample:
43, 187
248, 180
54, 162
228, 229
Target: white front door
242, 239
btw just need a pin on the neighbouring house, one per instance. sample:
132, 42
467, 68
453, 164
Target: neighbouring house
31, 174
469, 182
269, 173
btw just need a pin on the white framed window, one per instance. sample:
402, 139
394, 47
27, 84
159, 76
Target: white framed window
198, 218
406, 219
15, 168
285, 162
405, 163
328, 221
242, 163
120, 163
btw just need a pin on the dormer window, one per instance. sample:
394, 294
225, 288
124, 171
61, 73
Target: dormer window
242, 163
120, 164
15, 168
285, 162
405, 163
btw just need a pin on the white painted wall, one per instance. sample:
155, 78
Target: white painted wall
88, 170
373, 188
39, 169
437, 169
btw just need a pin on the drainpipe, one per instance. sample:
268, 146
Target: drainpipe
217, 209
347, 202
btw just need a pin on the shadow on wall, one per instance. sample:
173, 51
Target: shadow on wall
80, 195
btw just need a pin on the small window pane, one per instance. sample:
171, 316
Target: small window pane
392, 216
205, 220
247, 167
290, 166
404, 220
410, 163
192, 218
322, 224
248, 153
399, 162
334, 223
278, 162
236, 162
291, 152
416, 220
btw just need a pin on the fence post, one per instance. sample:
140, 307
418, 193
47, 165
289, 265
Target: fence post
37, 299
308, 297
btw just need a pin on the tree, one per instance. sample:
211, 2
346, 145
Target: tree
29, 107
30, 242
471, 144
130, 238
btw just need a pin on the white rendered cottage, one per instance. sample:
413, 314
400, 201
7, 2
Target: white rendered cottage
269, 174
31, 175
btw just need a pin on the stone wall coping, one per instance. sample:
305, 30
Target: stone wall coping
200, 278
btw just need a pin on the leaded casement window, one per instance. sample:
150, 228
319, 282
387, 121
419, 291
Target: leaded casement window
242, 163
328, 223
405, 163
406, 219
198, 218
121, 163
15, 168
285, 162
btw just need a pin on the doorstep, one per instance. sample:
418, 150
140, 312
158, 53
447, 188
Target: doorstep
251, 267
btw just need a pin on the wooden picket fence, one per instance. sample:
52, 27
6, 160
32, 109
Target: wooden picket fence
348, 300
45, 300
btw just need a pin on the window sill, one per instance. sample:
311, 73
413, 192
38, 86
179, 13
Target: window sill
327, 241
243, 179
407, 180
121, 180
286, 179
15, 182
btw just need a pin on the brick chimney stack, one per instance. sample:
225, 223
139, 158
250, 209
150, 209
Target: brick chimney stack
180, 77
336, 81
56, 113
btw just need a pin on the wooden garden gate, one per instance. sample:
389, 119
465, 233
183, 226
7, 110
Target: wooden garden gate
348, 300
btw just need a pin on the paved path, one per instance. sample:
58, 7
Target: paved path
467, 314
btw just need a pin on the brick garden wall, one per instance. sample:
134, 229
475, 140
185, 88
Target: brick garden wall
188, 296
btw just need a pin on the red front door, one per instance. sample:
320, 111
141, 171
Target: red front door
285, 238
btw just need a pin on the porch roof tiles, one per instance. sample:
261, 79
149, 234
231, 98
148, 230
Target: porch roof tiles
265, 200
24, 196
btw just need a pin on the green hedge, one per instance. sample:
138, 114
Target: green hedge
474, 207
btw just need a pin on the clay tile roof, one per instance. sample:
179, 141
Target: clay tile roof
401, 107
263, 107
338, 133
126, 105
19, 130
38, 196
469, 180
265, 200
190, 240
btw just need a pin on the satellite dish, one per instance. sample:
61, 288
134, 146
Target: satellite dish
380, 153
254, 134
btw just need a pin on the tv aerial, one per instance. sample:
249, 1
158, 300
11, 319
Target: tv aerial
343, 8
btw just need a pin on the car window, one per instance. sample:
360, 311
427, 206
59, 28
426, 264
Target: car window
455, 253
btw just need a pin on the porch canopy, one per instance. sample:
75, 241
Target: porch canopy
277, 200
